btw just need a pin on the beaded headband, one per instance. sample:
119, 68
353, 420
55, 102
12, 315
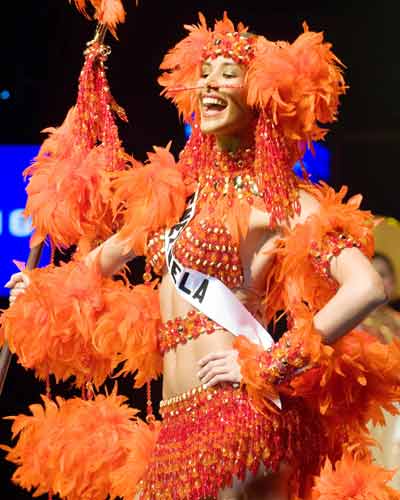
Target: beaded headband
233, 45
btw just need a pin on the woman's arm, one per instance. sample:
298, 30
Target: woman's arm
112, 255
360, 291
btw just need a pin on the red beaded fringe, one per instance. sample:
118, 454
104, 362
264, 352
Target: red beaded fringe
208, 436
274, 158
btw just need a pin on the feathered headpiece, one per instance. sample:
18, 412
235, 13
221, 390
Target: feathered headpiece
298, 85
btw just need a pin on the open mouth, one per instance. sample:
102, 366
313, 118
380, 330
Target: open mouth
212, 105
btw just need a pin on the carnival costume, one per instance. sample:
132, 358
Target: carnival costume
89, 326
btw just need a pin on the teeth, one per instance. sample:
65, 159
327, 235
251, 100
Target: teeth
211, 101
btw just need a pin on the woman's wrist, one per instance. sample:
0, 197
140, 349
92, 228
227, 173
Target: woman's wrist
283, 360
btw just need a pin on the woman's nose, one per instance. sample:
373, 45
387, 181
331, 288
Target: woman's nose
211, 82
212, 85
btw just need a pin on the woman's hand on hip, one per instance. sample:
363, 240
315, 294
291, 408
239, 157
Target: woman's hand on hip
219, 367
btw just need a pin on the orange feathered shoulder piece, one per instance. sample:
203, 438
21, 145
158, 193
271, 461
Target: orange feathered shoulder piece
295, 275
148, 198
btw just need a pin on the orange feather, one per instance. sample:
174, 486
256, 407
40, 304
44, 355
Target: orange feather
79, 449
149, 198
352, 479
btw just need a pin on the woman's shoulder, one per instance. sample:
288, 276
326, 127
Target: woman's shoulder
323, 201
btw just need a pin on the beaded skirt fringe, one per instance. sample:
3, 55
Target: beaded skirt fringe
209, 436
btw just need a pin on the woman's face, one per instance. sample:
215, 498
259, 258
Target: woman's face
222, 98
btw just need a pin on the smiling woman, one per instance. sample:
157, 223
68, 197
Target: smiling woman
238, 241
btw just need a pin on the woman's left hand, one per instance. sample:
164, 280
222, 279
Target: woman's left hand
219, 367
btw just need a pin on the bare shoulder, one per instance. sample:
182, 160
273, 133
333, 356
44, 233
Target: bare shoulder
309, 205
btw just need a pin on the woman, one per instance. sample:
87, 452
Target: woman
384, 324
251, 235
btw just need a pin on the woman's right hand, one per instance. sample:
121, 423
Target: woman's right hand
17, 284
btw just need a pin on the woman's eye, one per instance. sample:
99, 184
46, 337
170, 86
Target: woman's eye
229, 75
204, 75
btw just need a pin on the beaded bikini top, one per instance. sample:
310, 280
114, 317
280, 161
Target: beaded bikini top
206, 244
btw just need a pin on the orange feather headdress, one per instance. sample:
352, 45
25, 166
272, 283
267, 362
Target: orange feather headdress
297, 84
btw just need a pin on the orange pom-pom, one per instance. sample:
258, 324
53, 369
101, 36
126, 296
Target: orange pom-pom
149, 197
352, 479
300, 83
73, 448
107, 12
73, 322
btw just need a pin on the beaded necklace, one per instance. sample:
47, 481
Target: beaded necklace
230, 175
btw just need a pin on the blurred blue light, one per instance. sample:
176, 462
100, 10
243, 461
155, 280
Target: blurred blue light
5, 94
188, 130
317, 164
15, 229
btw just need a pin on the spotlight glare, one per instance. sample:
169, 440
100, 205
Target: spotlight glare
5, 94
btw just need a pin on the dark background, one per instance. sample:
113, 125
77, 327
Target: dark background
41, 46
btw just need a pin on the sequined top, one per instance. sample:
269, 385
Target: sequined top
204, 246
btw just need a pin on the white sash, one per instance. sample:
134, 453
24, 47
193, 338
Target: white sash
208, 294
